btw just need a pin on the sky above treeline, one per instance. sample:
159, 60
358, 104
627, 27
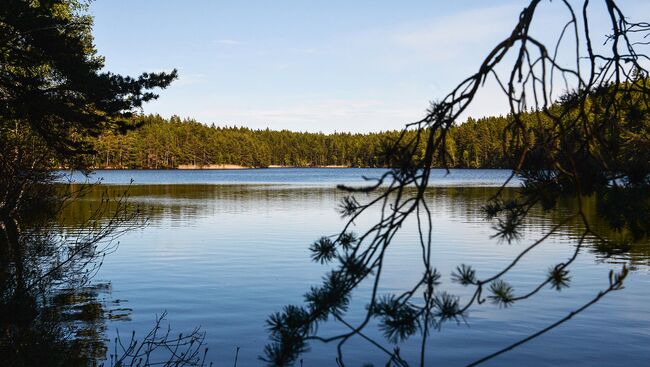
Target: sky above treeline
327, 66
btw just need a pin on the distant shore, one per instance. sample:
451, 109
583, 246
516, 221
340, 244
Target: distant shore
212, 166
226, 167
236, 166
216, 167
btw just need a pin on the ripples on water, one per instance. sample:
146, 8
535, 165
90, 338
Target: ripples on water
326, 177
226, 256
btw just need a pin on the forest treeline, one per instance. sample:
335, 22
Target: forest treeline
169, 143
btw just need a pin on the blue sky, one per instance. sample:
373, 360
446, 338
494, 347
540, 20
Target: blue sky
310, 66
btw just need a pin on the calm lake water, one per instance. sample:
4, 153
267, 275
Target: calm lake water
327, 177
225, 249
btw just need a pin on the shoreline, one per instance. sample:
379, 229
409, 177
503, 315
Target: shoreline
212, 167
238, 168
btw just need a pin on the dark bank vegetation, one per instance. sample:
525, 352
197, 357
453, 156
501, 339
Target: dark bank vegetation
55, 97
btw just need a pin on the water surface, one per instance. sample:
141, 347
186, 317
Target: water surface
285, 176
226, 251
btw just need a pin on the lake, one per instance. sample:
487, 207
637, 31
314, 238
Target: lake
327, 177
225, 249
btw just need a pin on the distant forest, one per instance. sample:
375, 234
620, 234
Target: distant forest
169, 143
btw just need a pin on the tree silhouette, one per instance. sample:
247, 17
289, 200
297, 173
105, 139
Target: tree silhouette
51, 76
591, 138
54, 97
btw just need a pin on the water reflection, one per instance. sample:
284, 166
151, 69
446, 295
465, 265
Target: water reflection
181, 204
226, 256
50, 312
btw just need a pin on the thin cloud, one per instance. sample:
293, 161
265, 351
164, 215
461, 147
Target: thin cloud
306, 50
449, 36
322, 115
191, 79
227, 42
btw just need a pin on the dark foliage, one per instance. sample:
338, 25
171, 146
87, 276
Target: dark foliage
51, 77
170, 143
54, 97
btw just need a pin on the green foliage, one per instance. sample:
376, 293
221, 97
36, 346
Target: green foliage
502, 293
447, 308
397, 320
323, 250
331, 298
347, 240
489, 142
51, 78
348, 206
559, 277
54, 97
169, 143
464, 275
288, 330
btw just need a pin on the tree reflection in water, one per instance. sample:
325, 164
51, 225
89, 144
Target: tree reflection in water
52, 312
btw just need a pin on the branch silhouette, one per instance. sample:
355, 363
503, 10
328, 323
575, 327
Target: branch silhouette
576, 141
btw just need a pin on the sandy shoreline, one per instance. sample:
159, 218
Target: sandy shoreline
214, 167
211, 166
235, 166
